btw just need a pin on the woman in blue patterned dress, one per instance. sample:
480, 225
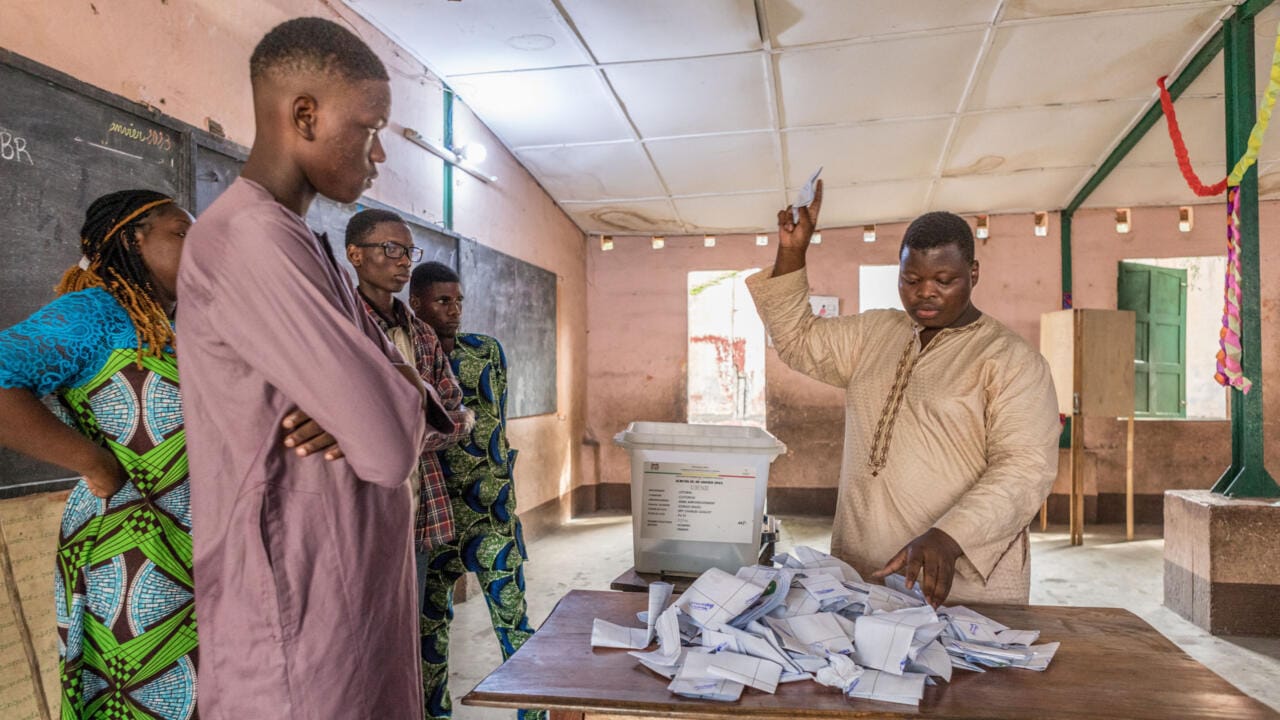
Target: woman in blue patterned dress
105, 349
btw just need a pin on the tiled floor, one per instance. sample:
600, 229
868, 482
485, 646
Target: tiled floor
1105, 571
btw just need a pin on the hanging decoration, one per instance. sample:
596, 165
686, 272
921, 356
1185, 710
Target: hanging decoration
1180, 148
1230, 373
1264, 119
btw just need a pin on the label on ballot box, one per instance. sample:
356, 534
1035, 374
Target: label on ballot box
698, 502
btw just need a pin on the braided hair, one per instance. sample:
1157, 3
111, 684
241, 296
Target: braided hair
112, 261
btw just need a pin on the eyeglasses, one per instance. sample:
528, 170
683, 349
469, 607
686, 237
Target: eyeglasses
395, 251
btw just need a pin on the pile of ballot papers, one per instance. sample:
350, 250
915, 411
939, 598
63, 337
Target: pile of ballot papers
813, 618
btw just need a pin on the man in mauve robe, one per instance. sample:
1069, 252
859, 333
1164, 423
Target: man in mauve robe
951, 422
304, 576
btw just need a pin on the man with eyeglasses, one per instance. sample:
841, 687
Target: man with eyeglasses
380, 248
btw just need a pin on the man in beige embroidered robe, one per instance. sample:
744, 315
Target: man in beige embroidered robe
951, 422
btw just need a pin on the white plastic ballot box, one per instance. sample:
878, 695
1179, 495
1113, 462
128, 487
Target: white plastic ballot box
697, 494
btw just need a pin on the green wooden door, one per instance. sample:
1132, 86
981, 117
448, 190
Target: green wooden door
1158, 298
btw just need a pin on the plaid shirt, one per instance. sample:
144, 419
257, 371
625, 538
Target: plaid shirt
433, 523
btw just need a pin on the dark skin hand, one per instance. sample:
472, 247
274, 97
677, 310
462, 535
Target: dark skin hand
306, 437
29, 428
929, 559
793, 238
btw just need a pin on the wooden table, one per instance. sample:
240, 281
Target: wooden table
632, 581
1111, 665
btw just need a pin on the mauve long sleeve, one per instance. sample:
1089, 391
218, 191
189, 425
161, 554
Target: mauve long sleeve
305, 586
289, 328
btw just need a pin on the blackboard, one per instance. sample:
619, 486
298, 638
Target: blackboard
59, 150
62, 144
215, 168
514, 302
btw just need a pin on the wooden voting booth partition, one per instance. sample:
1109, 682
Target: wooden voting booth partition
1091, 358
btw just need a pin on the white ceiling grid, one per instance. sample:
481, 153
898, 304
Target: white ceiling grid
690, 116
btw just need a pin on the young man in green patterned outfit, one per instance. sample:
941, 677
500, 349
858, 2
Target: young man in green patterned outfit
478, 474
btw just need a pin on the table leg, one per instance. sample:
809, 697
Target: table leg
1128, 483
1077, 481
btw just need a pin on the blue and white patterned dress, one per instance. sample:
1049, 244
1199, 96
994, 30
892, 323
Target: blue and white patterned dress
126, 619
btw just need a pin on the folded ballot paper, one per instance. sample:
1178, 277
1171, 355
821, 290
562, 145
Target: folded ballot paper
812, 617
806, 196
607, 634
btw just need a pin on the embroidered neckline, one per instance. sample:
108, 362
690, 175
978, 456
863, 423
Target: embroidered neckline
893, 404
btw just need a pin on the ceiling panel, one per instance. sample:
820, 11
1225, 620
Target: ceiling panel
1025, 9
620, 30
1208, 82
873, 202
682, 97
813, 21
545, 107
728, 213
862, 153
1032, 190
636, 216
718, 163
1269, 180
594, 172
1011, 140
1100, 57
458, 38
890, 79
1152, 185
1203, 127
668, 115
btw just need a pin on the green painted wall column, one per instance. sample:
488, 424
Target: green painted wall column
448, 168
1247, 476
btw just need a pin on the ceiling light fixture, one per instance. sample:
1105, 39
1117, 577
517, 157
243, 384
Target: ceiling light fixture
1186, 218
1042, 224
816, 239
473, 153
606, 243
868, 233
983, 229
762, 240
1122, 220
659, 242
708, 241
453, 157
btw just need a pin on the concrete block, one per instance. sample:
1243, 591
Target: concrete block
1222, 562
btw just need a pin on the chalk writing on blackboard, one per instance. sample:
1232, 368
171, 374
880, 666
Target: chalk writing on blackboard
14, 148
146, 136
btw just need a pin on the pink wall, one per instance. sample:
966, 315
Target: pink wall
637, 337
638, 297
190, 60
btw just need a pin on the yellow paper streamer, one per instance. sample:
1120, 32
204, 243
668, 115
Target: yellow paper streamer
1260, 127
